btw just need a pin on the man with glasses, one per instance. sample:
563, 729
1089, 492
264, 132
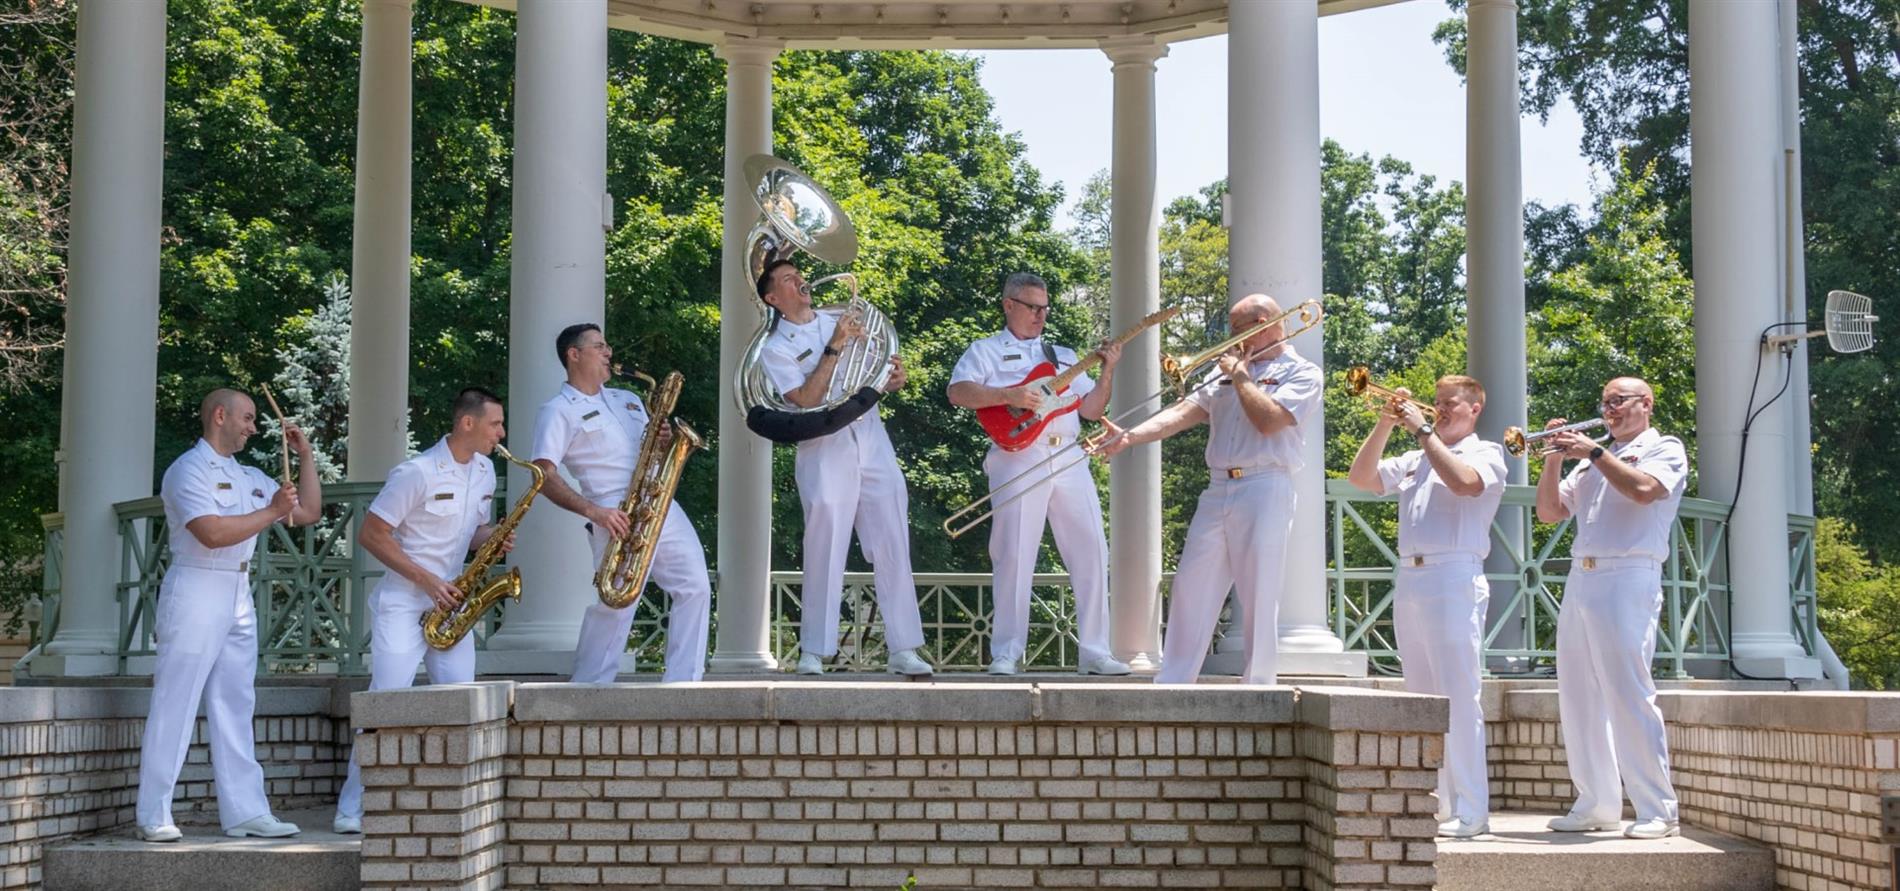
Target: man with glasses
1449, 488
1623, 496
993, 372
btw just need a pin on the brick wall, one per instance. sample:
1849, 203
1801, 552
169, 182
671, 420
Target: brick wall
69, 761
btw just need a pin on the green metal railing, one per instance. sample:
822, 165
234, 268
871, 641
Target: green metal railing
310, 585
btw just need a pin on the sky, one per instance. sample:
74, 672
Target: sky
1385, 89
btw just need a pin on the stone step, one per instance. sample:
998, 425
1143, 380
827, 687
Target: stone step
205, 860
1520, 853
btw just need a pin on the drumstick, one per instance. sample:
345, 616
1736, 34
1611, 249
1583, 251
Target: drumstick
283, 435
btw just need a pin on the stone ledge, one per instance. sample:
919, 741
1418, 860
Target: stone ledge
903, 701
1142, 703
1387, 711
435, 706
643, 702
1837, 712
20, 705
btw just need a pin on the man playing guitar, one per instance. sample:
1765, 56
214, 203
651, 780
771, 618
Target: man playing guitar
994, 372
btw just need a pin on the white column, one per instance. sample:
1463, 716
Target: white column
379, 277
1735, 161
1134, 479
1273, 163
1494, 250
1795, 281
745, 461
111, 315
559, 279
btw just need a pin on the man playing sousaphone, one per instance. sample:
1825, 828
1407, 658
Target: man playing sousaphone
846, 478
992, 372
596, 430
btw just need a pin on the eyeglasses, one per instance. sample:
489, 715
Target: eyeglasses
1041, 309
1615, 402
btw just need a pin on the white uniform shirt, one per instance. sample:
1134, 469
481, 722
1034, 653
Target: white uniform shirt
1433, 520
1232, 440
1003, 360
434, 506
597, 438
1609, 524
792, 352
203, 483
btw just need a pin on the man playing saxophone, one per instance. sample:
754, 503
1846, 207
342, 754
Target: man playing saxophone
431, 511
595, 430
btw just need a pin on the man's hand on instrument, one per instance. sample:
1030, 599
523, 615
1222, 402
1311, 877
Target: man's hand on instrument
1407, 414
850, 327
1572, 444
445, 595
284, 503
663, 438
1556, 446
616, 523
898, 375
1111, 353
1022, 397
1233, 363
293, 434
1110, 441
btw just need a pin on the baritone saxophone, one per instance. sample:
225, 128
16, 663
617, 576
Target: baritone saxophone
444, 628
656, 475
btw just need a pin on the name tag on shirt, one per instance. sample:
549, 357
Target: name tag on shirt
445, 496
803, 356
591, 415
1012, 357
223, 486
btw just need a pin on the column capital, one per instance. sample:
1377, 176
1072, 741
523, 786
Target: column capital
749, 51
1134, 51
399, 5
1492, 4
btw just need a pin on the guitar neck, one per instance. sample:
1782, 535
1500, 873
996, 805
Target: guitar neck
1095, 358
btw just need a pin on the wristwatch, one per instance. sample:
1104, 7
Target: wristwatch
1425, 429
1595, 454
832, 350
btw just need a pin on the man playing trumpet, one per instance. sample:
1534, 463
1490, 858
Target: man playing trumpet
989, 374
1257, 406
1449, 488
596, 431
1623, 497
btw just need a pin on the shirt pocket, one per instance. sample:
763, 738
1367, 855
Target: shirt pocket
225, 494
444, 504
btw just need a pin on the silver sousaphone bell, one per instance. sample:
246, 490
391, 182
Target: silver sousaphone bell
796, 215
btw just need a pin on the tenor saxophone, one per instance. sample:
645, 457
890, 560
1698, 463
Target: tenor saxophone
656, 475
444, 628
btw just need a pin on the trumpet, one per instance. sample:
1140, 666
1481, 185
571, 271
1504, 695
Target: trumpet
1179, 368
1516, 441
1359, 381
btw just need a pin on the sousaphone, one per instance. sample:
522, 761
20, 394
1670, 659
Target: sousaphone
796, 215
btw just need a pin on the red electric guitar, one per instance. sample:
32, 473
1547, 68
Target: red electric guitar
1013, 429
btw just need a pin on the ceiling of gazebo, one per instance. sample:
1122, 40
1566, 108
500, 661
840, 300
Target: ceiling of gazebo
937, 24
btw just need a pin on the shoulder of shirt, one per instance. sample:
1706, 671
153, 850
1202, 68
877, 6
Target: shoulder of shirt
625, 394
555, 402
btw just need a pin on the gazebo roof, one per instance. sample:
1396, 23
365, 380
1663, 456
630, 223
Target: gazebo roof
936, 24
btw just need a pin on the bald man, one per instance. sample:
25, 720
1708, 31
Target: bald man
1258, 406
1624, 496
205, 625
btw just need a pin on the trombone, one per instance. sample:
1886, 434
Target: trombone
1177, 369
1516, 441
1381, 398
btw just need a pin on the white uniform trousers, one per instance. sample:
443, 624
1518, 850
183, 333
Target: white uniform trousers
1074, 512
207, 643
848, 479
1606, 698
1438, 611
396, 650
679, 568
1236, 540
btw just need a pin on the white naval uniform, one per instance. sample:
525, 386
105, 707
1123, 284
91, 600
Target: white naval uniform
597, 438
1606, 634
1069, 502
846, 479
1439, 600
1238, 536
207, 642
433, 506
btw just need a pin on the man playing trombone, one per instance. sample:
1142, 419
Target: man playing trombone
990, 373
1449, 488
1624, 496
1257, 405
596, 431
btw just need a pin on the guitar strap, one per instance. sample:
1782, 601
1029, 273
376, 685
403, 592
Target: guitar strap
1049, 353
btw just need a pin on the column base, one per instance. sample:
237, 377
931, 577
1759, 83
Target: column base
69, 665
1779, 667
1342, 665
741, 663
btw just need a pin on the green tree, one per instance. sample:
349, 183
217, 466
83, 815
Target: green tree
1860, 605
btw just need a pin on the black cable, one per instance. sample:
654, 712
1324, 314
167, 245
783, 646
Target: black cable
1749, 413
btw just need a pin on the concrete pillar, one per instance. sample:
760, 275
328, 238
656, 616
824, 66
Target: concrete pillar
111, 315
743, 582
559, 278
379, 275
1494, 258
1736, 158
1134, 479
1273, 161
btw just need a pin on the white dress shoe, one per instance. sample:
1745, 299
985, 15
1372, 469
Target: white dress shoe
1462, 829
1576, 823
265, 826
165, 833
346, 825
1653, 829
1103, 665
809, 663
906, 662
1003, 666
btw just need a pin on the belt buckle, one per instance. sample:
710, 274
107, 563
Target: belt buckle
1589, 563
1418, 560
1055, 440
244, 566
1234, 473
